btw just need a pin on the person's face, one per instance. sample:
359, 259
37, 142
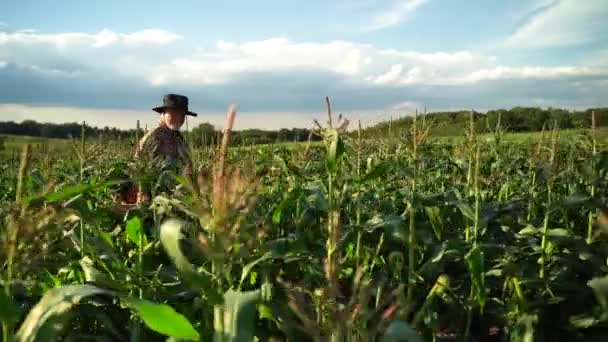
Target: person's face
174, 118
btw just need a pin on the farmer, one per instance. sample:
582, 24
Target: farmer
164, 148
166, 144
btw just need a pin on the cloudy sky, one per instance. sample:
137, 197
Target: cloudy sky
109, 62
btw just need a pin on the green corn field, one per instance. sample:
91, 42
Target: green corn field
406, 238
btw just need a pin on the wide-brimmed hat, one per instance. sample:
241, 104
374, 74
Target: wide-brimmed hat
174, 101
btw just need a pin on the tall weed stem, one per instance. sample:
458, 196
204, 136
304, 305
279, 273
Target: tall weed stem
589, 239
411, 282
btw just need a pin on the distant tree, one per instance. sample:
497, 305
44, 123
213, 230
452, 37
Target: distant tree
563, 118
516, 119
202, 135
601, 116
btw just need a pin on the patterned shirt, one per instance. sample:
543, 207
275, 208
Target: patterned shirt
165, 149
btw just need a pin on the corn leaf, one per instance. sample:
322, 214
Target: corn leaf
50, 315
163, 319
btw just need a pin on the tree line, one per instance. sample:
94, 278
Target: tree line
33, 128
201, 135
517, 119
205, 134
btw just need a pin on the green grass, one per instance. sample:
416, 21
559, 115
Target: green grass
13, 143
531, 137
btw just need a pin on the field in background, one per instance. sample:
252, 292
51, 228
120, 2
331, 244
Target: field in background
13, 143
531, 137
487, 237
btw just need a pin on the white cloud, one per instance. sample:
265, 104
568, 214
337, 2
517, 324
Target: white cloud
105, 38
3, 64
227, 61
395, 15
150, 37
355, 62
436, 58
398, 76
562, 23
406, 106
101, 39
50, 72
391, 76
349, 62
529, 73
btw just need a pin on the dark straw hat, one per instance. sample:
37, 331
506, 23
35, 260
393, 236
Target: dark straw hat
174, 101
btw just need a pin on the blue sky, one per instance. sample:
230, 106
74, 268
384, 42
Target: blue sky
108, 62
